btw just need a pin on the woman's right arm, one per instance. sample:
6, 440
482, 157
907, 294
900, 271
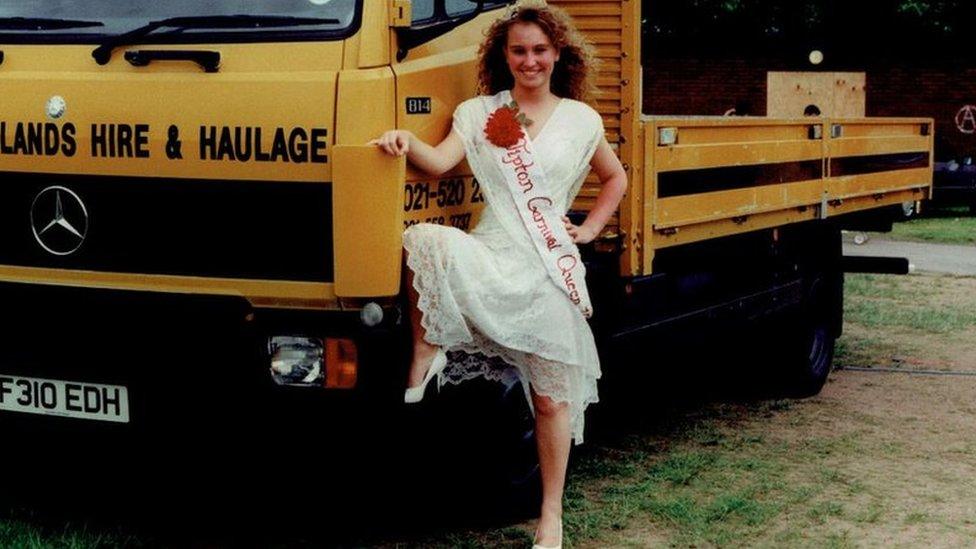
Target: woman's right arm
432, 160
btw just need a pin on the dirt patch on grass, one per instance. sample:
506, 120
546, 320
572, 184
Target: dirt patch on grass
878, 459
900, 457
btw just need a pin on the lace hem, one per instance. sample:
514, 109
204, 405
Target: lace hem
474, 354
430, 259
424, 270
467, 362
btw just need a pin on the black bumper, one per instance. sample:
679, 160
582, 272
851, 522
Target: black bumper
196, 372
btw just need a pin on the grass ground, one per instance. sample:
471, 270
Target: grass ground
25, 530
876, 460
866, 463
946, 225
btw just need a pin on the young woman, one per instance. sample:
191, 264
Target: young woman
513, 288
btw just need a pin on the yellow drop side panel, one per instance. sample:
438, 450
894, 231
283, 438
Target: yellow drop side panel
709, 178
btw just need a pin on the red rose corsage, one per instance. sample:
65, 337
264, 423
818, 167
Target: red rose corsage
504, 126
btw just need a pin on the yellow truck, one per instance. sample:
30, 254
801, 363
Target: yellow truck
197, 235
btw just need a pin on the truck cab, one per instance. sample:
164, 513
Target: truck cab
180, 264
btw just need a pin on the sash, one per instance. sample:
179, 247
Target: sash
527, 183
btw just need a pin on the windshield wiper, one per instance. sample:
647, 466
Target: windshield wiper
40, 23
103, 53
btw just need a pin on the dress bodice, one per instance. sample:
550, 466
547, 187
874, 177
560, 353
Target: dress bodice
563, 147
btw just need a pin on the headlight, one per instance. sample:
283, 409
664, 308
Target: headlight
313, 362
296, 360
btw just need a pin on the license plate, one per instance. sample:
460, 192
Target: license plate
55, 397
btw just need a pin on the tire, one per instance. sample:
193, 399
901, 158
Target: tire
809, 362
804, 337
806, 342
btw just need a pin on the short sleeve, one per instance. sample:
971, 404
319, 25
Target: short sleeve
463, 122
592, 135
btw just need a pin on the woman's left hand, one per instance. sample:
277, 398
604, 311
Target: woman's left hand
581, 234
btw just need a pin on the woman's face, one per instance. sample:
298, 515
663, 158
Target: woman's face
530, 55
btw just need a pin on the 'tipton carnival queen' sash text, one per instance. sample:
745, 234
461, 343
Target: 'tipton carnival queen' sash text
527, 182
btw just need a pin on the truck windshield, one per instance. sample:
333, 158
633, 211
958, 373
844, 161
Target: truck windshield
31, 20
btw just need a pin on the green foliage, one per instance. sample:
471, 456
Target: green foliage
30, 535
846, 31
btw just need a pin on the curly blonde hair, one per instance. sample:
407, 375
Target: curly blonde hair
571, 76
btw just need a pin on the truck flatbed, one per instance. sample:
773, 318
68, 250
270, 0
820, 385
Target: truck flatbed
725, 175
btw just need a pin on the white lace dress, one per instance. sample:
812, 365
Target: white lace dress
488, 293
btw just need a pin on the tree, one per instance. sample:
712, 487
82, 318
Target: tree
846, 29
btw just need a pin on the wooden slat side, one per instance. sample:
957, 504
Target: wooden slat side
682, 157
698, 208
875, 129
694, 135
725, 227
866, 146
881, 182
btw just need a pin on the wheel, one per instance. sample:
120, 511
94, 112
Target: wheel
808, 360
803, 338
804, 343
860, 237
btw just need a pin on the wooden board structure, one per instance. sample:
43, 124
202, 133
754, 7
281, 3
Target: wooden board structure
835, 94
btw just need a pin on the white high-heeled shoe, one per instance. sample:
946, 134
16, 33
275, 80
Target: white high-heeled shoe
414, 395
557, 546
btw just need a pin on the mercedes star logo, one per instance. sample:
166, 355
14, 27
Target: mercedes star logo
59, 220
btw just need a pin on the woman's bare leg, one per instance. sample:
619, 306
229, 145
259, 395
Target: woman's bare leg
423, 352
553, 439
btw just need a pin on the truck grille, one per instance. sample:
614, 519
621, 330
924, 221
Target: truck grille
213, 228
